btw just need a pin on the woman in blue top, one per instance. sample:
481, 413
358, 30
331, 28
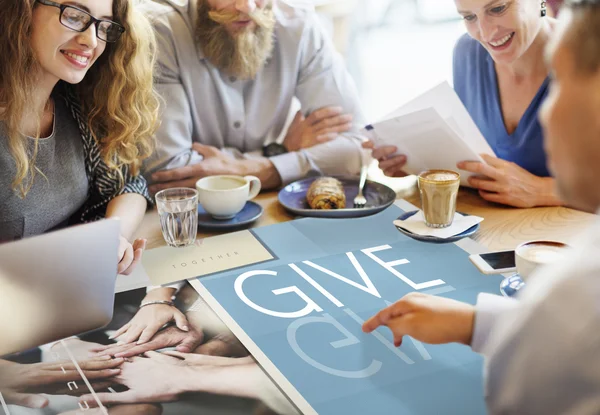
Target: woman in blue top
501, 77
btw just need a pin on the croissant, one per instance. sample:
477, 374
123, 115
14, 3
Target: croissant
326, 193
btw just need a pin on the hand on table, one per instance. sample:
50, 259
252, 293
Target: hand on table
214, 162
430, 319
194, 359
153, 378
145, 377
183, 341
505, 182
22, 384
320, 126
148, 321
225, 345
79, 349
129, 254
391, 166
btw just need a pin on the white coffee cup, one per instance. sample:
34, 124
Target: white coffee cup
533, 254
225, 196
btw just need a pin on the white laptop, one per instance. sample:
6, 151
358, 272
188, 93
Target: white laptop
57, 285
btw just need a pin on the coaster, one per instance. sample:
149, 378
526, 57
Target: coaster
435, 239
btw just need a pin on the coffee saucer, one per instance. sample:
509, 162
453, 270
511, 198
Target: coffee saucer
246, 216
435, 239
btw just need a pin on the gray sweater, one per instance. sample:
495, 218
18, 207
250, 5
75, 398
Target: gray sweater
53, 199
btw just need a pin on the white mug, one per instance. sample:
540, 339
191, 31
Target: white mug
225, 196
533, 254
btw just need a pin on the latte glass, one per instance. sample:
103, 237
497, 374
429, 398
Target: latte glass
178, 211
438, 189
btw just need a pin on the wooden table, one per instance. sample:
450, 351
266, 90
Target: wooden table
506, 227
274, 213
503, 228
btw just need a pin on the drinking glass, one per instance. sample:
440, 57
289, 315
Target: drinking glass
178, 211
438, 189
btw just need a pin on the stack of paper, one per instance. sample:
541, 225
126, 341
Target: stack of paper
434, 131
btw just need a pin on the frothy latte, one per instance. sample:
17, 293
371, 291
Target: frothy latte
440, 177
531, 255
543, 253
439, 189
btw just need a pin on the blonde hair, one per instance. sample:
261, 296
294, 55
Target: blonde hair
117, 94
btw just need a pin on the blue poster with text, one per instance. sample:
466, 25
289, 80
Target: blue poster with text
304, 311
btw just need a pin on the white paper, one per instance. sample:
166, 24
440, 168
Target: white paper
416, 224
434, 131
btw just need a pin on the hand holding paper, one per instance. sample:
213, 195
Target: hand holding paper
434, 131
502, 181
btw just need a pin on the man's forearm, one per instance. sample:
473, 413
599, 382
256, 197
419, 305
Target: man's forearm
265, 170
342, 156
237, 380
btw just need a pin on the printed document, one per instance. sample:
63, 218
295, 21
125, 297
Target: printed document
434, 131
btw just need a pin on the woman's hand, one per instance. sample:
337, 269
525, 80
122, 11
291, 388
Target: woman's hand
182, 341
145, 379
505, 182
155, 378
225, 345
148, 321
391, 166
194, 359
23, 384
130, 254
427, 318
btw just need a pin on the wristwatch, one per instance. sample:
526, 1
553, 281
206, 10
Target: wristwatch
274, 149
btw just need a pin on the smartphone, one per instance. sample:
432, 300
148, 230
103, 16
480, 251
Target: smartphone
495, 262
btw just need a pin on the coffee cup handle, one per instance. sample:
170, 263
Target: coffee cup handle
255, 186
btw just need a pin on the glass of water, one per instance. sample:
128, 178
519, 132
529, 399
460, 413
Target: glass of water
178, 211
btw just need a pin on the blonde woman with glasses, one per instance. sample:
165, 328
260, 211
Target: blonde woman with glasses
77, 113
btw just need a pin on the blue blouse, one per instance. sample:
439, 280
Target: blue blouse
476, 84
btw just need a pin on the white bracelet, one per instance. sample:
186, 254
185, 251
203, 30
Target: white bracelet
170, 303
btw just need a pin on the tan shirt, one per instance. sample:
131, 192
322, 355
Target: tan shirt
207, 106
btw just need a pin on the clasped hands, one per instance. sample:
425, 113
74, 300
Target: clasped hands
496, 180
144, 371
163, 377
321, 126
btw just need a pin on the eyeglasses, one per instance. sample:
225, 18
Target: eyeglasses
80, 20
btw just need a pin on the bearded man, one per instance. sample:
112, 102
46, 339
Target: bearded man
229, 72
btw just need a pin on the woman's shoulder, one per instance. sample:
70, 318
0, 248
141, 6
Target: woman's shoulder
467, 48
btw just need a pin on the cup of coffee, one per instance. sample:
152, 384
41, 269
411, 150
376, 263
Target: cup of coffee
438, 189
533, 254
225, 196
